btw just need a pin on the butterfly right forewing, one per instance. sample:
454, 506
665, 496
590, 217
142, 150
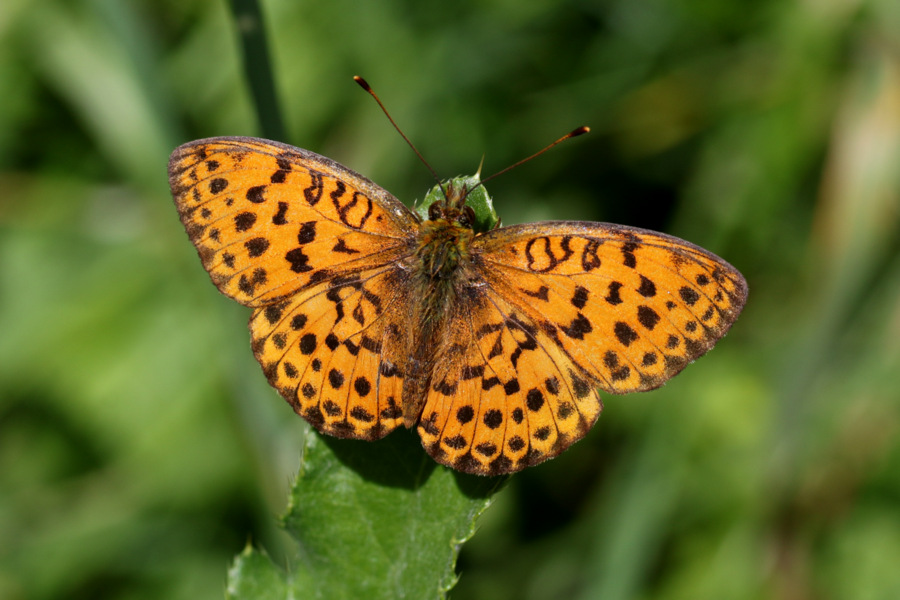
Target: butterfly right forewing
631, 307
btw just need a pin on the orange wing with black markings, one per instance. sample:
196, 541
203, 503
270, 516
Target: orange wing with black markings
560, 309
631, 306
314, 248
336, 352
504, 396
269, 219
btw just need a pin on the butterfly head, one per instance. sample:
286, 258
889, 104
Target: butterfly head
462, 201
450, 221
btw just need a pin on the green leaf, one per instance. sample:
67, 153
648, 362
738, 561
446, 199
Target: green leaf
372, 520
478, 198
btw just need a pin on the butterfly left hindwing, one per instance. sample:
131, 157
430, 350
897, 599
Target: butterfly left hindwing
336, 352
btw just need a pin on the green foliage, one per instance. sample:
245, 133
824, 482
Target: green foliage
371, 521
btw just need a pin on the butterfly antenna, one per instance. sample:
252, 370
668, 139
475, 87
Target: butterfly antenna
574, 133
365, 85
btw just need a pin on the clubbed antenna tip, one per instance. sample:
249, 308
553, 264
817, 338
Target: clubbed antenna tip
365, 85
574, 133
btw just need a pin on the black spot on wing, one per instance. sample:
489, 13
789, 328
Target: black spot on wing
256, 195
244, 221
218, 185
689, 295
613, 297
624, 333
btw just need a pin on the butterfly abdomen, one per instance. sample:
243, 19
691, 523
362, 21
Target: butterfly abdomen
441, 259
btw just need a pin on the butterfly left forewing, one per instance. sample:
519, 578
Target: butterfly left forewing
269, 219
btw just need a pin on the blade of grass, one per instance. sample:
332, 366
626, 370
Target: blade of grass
258, 67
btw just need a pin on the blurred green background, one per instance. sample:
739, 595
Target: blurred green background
140, 446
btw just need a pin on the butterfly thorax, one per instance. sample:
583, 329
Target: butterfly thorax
442, 252
442, 245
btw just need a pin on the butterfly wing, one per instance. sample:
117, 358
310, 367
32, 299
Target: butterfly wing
269, 219
503, 396
556, 310
631, 307
314, 248
336, 352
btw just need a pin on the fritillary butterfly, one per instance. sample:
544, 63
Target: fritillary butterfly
367, 316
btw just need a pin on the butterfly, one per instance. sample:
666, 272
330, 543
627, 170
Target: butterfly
492, 342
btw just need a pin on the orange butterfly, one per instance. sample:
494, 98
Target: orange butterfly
492, 343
